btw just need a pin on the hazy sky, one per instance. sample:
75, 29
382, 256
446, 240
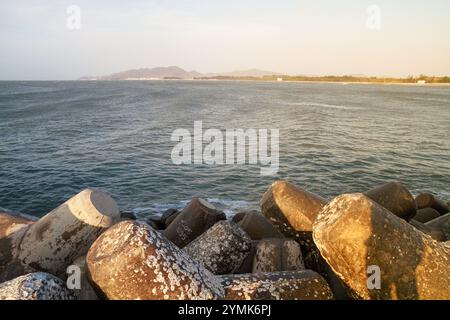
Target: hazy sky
313, 37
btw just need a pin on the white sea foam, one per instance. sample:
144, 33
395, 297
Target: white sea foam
228, 206
322, 105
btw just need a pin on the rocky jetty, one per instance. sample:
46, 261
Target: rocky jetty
378, 244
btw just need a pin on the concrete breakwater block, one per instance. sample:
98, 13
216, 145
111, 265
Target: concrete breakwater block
256, 225
85, 290
436, 233
277, 255
54, 241
427, 200
222, 248
442, 223
294, 285
197, 217
12, 223
247, 264
168, 216
155, 223
291, 210
133, 261
394, 197
35, 286
426, 214
379, 255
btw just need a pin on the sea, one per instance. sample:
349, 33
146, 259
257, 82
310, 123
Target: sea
60, 137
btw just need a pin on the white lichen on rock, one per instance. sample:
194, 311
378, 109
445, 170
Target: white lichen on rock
35, 286
133, 261
222, 248
294, 285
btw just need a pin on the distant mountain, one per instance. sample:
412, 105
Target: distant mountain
174, 72
171, 72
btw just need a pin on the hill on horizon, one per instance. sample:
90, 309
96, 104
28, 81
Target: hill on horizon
174, 72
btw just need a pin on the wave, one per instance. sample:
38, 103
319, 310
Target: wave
322, 105
228, 206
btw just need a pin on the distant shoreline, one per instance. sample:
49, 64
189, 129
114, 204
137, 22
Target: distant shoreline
247, 80
272, 81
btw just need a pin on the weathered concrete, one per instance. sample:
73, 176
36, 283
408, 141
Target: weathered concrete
35, 286
54, 241
11, 223
257, 226
86, 291
196, 218
442, 223
247, 265
277, 255
427, 200
294, 285
222, 248
292, 211
394, 197
354, 233
133, 261
426, 214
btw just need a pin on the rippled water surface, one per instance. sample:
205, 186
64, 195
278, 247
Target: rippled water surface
60, 137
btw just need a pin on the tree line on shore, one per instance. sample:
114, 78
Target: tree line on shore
344, 78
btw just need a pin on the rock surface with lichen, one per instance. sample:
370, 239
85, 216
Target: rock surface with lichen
354, 233
222, 248
133, 261
277, 255
35, 286
294, 285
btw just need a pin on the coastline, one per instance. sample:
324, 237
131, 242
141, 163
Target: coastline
262, 80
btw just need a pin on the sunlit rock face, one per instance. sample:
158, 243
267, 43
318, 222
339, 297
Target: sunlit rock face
354, 234
294, 285
293, 211
133, 261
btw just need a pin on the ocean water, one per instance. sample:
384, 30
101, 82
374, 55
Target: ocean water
58, 138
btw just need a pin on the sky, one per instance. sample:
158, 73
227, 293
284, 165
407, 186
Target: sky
48, 40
